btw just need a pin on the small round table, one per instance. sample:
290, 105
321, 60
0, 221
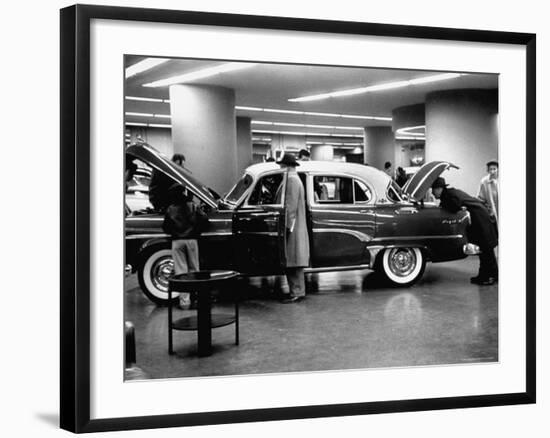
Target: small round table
203, 283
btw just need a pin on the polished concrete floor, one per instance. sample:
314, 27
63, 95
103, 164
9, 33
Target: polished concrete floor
349, 320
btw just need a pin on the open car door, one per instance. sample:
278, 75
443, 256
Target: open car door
259, 233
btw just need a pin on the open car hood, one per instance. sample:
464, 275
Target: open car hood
156, 160
417, 186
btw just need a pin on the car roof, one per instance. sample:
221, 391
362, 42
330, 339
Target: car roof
371, 174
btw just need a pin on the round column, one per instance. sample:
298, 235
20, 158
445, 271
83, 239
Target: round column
462, 127
379, 146
322, 152
204, 130
244, 144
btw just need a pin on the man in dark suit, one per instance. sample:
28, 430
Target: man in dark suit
482, 230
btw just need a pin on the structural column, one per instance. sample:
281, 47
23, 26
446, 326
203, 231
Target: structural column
462, 127
379, 146
244, 144
204, 130
322, 152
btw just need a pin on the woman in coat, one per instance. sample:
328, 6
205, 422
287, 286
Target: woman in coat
482, 231
297, 239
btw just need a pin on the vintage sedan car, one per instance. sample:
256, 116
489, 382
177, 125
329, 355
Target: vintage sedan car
357, 218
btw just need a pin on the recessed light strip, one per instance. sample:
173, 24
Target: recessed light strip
150, 125
310, 113
200, 74
378, 87
159, 116
307, 134
141, 66
147, 99
303, 125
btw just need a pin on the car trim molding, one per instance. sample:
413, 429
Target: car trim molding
384, 239
357, 234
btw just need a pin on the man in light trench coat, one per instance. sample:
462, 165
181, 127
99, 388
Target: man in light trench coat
297, 239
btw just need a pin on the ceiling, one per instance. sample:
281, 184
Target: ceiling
271, 85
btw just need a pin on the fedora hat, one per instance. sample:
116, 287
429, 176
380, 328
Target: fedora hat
439, 182
288, 160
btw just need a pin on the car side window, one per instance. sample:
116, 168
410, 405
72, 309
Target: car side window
267, 190
333, 189
362, 192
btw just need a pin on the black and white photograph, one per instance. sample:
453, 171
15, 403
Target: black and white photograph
286, 218
276, 218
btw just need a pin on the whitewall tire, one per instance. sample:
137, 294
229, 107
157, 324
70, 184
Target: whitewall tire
403, 266
154, 272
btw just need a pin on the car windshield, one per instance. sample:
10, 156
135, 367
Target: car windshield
239, 189
395, 193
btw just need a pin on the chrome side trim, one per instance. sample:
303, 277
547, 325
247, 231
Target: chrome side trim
260, 233
214, 233
337, 268
384, 239
357, 234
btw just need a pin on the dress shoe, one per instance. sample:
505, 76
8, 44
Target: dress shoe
291, 300
489, 281
475, 280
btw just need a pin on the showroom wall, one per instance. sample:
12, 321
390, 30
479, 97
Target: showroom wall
462, 127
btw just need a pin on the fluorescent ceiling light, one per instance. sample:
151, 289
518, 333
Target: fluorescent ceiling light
146, 99
378, 87
159, 116
308, 134
305, 125
138, 114
150, 125
144, 65
200, 74
310, 113
248, 108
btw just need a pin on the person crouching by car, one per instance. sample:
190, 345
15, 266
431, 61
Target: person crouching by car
183, 221
481, 231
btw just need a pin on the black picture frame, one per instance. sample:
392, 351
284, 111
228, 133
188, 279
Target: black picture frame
75, 217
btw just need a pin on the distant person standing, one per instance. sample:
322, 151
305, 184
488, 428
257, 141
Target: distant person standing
488, 188
304, 155
297, 239
129, 172
401, 177
388, 169
481, 231
160, 183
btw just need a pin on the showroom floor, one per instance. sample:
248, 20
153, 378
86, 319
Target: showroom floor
349, 320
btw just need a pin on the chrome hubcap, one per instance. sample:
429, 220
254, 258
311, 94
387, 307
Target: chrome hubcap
402, 261
161, 271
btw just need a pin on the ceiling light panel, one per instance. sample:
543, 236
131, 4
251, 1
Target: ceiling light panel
378, 87
141, 66
200, 74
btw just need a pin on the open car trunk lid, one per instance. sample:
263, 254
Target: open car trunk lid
417, 186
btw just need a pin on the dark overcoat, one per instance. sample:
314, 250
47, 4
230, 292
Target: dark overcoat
297, 239
482, 231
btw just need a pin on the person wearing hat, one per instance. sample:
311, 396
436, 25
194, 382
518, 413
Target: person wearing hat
304, 155
488, 188
296, 239
481, 231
